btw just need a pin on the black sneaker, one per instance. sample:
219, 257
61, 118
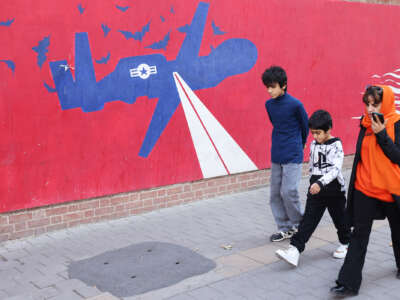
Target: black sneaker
281, 235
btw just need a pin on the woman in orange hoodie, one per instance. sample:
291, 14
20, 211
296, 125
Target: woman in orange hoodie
374, 186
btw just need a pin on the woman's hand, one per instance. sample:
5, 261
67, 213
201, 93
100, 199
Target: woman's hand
377, 126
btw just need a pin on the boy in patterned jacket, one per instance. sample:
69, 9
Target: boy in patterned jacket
327, 189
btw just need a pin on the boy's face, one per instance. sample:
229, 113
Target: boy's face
274, 90
320, 135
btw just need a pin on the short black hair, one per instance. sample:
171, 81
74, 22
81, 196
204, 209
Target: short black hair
320, 119
376, 92
274, 74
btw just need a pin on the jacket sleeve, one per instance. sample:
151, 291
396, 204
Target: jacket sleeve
336, 157
303, 119
390, 148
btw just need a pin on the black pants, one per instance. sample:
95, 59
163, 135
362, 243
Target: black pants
350, 274
315, 208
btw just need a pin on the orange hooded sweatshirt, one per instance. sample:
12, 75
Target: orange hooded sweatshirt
376, 175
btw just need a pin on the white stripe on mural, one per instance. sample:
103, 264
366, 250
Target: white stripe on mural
217, 151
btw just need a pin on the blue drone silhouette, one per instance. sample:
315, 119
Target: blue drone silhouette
151, 75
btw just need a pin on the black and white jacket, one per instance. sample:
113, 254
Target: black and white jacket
325, 164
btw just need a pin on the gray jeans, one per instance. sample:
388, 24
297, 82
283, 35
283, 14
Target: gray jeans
284, 201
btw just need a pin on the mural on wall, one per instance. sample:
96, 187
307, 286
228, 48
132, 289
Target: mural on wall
391, 79
105, 97
155, 77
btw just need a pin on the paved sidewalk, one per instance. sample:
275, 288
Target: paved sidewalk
233, 231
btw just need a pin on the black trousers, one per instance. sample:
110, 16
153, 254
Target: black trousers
350, 274
315, 208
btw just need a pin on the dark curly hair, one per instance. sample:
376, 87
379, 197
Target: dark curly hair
274, 74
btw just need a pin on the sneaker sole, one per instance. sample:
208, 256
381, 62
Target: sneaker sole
281, 239
338, 257
283, 258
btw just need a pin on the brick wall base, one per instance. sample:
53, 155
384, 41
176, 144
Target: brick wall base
36, 221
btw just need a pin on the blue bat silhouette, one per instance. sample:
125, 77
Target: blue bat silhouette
138, 36
80, 8
49, 88
172, 10
106, 29
160, 44
151, 75
9, 64
184, 28
216, 29
104, 60
41, 50
162, 19
122, 8
7, 23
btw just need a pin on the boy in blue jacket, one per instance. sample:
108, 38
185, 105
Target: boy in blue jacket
289, 135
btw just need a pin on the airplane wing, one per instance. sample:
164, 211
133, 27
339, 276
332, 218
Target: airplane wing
166, 107
194, 34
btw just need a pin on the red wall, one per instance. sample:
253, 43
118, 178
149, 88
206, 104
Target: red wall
330, 49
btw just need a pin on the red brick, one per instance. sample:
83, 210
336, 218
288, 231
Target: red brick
253, 183
104, 211
175, 190
73, 207
233, 187
20, 226
199, 194
21, 234
72, 217
38, 214
90, 204
105, 202
119, 215
173, 203
222, 189
3, 220
134, 196
161, 193
6, 229
20, 217
56, 211
220, 182
89, 213
187, 188
39, 223
158, 201
199, 186
211, 190
147, 195
148, 203
136, 204
172, 198
141, 210
243, 185
56, 227
188, 195
119, 208
119, 200
211, 183
233, 179
55, 219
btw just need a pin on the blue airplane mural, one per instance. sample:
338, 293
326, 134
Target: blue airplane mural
151, 75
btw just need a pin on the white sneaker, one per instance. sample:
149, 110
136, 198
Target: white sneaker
341, 251
291, 255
